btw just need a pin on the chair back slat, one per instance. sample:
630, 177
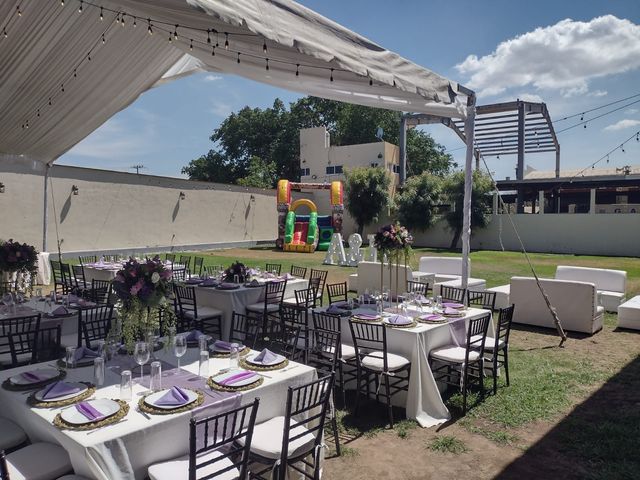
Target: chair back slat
477, 335
327, 321
273, 267
86, 259
306, 297
321, 276
78, 273
48, 344
279, 338
101, 292
482, 299
297, 271
368, 337
198, 266
95, 323
324, 351
244, 329
505, 318
453, 294
170, 257
185, 261
274, 292
231, 439
337, 292
418, 287
18, 336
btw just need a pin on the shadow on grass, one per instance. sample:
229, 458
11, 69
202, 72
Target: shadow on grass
550, 332
598, 440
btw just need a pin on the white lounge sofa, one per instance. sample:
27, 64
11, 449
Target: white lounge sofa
445, 271
368, 278
575, 302
611, 284
629, 314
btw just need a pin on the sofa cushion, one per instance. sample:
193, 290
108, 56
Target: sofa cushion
369, 277
442, 265
602, 278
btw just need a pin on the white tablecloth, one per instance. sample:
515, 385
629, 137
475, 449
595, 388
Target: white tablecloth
236, 300
44, 269
126, 449
423, 401
99, 273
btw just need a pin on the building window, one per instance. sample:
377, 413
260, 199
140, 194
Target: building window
332, 170
395, 168
374, 164
305, 172
338, 168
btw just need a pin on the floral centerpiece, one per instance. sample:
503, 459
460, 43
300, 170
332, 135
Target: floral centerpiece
393, 242
238, 269
20, 259
143, 289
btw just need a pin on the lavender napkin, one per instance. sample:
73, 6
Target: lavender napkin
221, 345
86, 409
367, 316
59, 389
452, 305
266, 357
287, 276
451, 311
334, 309
432, 317
399, 320
84, 352
237, 378
210, 282
194, 335
61, 310
176, 396
33, 377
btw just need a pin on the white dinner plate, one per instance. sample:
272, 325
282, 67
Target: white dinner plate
242, 383
387, 320
275, 361
154, 397
83, 388
215, 349
46, 373
105, 406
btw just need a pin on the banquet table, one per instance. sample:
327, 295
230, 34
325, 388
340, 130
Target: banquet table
423, 402
236, 300
106, 271
124, 450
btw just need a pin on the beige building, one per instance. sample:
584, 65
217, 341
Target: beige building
321, 162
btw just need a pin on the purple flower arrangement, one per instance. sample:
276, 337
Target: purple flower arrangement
18, 257
392, 239
238, 269
146, 283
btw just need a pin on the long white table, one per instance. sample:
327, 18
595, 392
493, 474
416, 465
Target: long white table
423, 402
125, 450
236, 300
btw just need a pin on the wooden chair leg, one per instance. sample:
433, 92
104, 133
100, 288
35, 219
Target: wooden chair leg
389, 406
506, 364
494, 371
336, 438
357, 391
341, 374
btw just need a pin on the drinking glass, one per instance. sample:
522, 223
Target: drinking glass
203, 368
125, 385
100, 348
98, 371
69, 360
38, 293
236, 279
203, 342
179, 347
155, 383
141, 354
439, 301
233, 356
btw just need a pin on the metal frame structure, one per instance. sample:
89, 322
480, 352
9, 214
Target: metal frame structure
510, 128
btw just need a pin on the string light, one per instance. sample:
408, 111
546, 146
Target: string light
149, 29
297, 69
103, 39
19, 11
175, 32
213, 51
101, 14
38, 113
75, 73
226, 40
622, 147
89, 56
79, 8
238, 57
264, 46
371, 82
267, 66
62, 87
4, 32
607, 158
331, 76
134, 22
170, 38
62, 3
122, 19
208, 36
50, 103
191, 44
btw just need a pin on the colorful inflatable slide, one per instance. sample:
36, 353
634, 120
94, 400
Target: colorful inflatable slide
307, 232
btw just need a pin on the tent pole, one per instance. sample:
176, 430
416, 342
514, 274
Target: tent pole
469, 127
45, 213
402, 137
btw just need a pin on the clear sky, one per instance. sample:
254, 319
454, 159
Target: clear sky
573, 55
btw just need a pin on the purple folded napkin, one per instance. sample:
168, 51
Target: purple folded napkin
432, 317
421, 298
269, 275
71, 298
193, 281
84, 352
210, 282
33, 377
265, 357
228, 286
367, 316
340, 304
59, 389
287, 276
86, 409
176, 396
237, 378
252, 271
334, 309
452, 305
61, 310
194, 335
399, 320
226, 346
451, 311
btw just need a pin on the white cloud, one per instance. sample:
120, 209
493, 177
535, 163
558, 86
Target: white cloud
598, 93
631, 111
212, 78
221, 109
622, 124
562, 57
530, 97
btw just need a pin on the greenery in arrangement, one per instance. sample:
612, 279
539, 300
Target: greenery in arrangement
394, 241
255, 147
481, 201
19, 258
143, 289
366, 194
415, 204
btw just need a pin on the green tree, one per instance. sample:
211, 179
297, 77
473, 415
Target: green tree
260, 174
481, 202
367, 194
416, 202
424, 154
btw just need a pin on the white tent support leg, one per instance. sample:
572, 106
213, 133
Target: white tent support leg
469, 127
45, 211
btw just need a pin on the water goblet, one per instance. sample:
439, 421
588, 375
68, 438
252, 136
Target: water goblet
179, 347
125, 385
70, 353
141, 355
234, 356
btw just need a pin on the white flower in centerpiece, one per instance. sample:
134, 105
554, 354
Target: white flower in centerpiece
155, 277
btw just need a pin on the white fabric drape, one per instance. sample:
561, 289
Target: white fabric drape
49, 41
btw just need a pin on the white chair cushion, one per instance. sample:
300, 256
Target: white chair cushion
205, 312
453, 354
347, 352
178, 469
267, 439
52, 462
259, 307
374, 361
489, 342
11, 435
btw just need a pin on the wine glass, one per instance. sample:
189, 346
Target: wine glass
179, 347
141, 355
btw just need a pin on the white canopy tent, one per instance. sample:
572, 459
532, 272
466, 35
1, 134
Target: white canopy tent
67, 67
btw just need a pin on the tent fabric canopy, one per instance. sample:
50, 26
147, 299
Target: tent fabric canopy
60, 82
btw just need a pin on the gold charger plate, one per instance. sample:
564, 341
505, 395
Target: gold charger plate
12, 387
222, 388
257, 368
34, 402
214, 354
146, 408
408, 325
115, 418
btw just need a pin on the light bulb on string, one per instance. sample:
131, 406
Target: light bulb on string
62, 88
607, 158
267, 64
4, 32
103, 39
89, 56
50, 103
80, 7
638, 137
208, 36
118, 18
149, 29
75, 73
264, 46
38, 113
190, 44
297, 69
585, 125
622, 147
101, 14
170, 37
122, 19
582, 117
238, 57
134, 22
27, 125
213, 51
62, 3
175, 32
331, 75
19, 11
226, 40
371, 82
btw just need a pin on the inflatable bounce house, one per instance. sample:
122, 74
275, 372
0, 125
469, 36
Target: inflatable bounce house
307, 232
